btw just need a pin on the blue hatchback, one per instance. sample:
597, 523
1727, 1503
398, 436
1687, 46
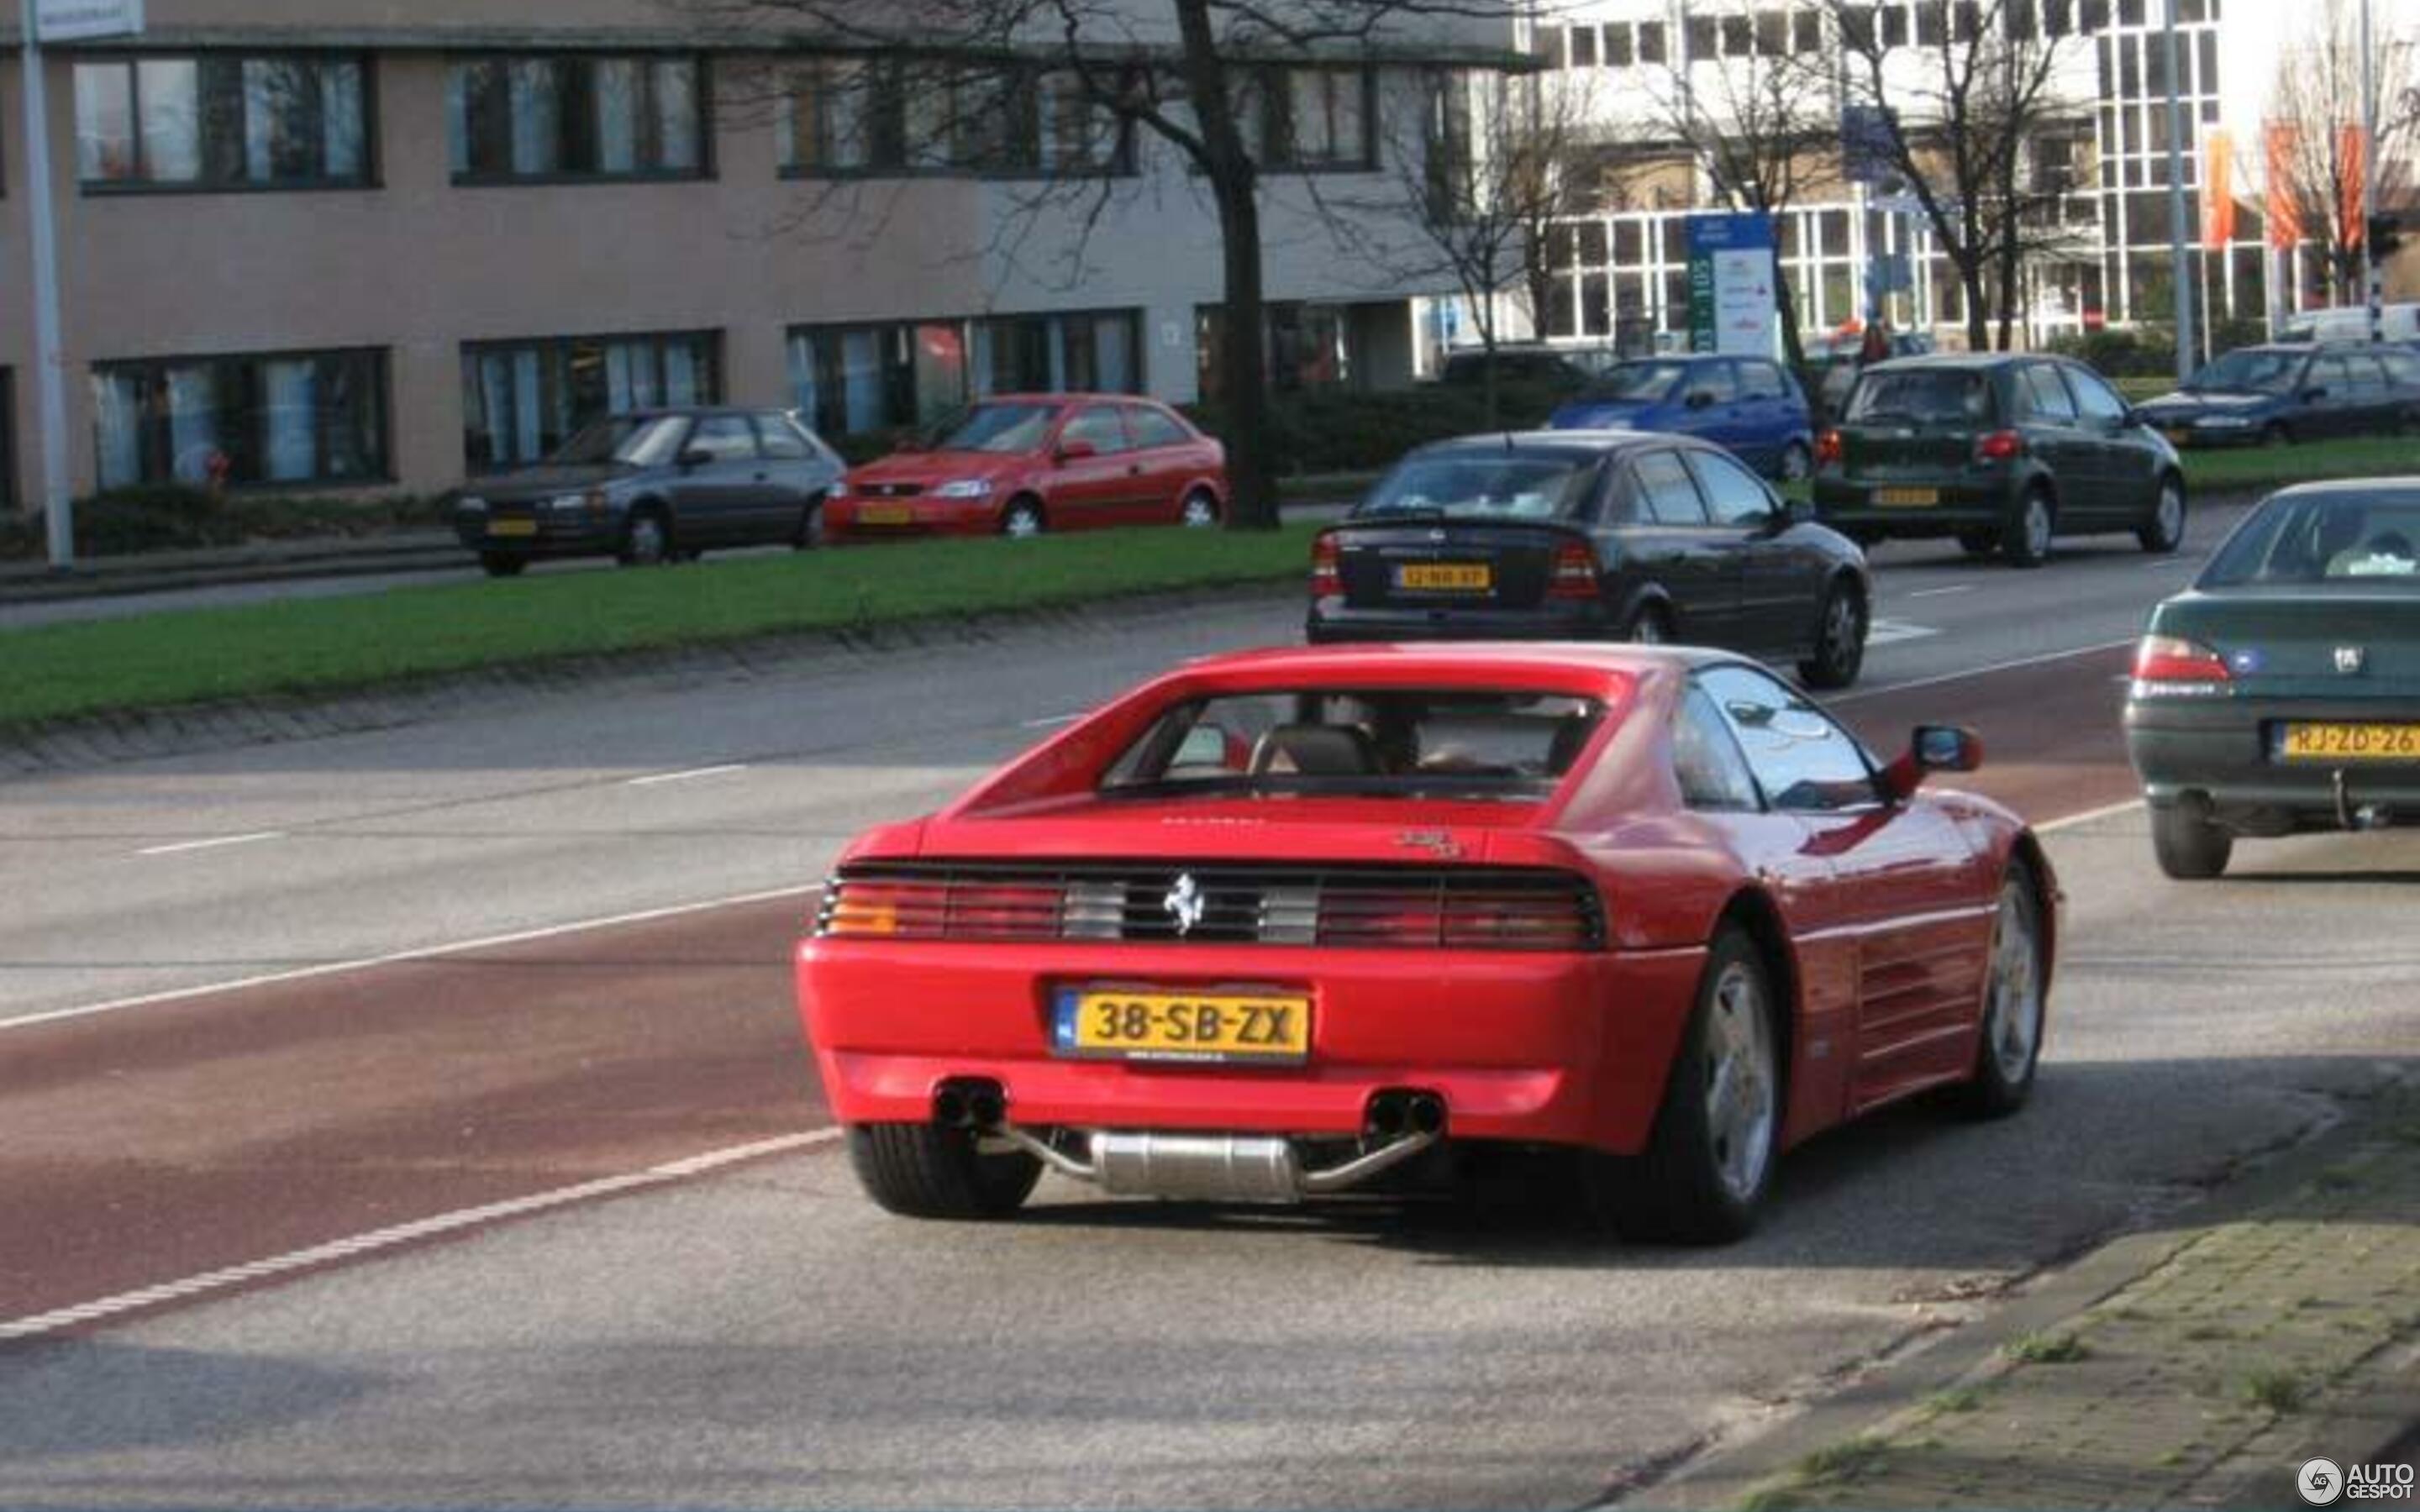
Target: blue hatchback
1749, 405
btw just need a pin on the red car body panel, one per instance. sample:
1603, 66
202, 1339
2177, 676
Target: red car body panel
1881, 922
893, 497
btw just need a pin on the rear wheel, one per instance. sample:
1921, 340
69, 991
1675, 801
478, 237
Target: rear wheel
923, 1170
2166, 529
2010, 1042
1709, 1158
2026, 542
1798, 463
1839, 640
646, 539
1201, 510
1649, 628
502, 564
810, 532
2188, 847
1022, 520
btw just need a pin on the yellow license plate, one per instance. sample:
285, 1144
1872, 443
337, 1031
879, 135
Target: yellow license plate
1151, 1024
1445, 576
884, 515
2352, 742
1906, 498
512, 527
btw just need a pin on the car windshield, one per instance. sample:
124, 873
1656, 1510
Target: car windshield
999, 427
1504, 486
2338, 543
1390, 742
2248, 371
1638, 380
1921, 395
632, 441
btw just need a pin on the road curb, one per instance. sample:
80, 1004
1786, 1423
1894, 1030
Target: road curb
131, 577
1913, 1369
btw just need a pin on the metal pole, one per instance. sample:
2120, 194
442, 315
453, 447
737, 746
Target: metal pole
2371, 281
50, 382
2176, 274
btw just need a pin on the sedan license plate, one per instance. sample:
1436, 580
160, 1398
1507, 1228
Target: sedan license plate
1445, 576
1156, 1024
1906, 498
2351, 742
885, 515
512, 527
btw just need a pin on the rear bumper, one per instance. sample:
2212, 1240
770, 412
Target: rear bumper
1575, 621
1546, 1049
1847, 507
2221, 755
578, 535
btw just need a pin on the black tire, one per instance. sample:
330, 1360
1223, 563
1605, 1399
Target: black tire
923, 1170
810, 532
1199, 510
2188, 847
1979, 542
1023, 520
1798, 463
2026, 541
502, 564
1840, 629
2164, 532
1650, 627
2008, 1044
1677, 1191
646, 539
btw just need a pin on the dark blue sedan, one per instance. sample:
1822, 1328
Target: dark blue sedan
1748, 405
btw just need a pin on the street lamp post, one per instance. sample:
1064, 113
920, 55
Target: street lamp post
50, 380
2372, 293
2177, 226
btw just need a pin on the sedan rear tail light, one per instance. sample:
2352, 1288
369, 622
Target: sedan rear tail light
1828, 449
1574, 575
2166, 664
2000, 446
1327, 568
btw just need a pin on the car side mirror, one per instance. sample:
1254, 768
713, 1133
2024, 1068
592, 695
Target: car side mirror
1076, 451
695, 456
1933, 747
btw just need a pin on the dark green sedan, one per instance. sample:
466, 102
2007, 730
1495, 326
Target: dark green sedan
2281, 693
2003, 451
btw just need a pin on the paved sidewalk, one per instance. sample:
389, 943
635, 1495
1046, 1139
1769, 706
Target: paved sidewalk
2197, 1366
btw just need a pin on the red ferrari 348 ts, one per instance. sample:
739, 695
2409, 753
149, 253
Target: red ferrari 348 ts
1281, 922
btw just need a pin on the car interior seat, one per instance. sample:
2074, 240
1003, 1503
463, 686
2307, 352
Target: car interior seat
1315, 750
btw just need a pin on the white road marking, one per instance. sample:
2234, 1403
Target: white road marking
2072, 821
382, 1239
1051, 723
690, 776
426, 952
2017, 664
1891, 632
1943, 592
181, 847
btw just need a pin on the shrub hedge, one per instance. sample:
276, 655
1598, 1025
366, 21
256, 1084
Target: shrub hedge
175, 517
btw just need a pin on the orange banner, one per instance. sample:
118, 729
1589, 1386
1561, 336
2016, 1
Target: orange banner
2350, 178
2284, 221
2217, 190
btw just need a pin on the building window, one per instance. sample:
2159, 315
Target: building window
1308, 347
522, 399
1583, 44
286, 417
223, 121
844, 116
853, 379
552, 117
1317, 117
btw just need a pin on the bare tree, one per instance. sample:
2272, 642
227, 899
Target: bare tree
2315, 102
1968, 90
1243, 91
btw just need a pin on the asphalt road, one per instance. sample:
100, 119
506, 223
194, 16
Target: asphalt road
248, 1191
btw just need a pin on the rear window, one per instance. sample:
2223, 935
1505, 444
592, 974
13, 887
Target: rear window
2341, 543
1386, 743
1481, 486
1922, 396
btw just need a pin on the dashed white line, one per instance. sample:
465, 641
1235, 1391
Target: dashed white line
1943, 592
376, 1239
2088, 816
690, 776
215, 842
1892, 632
1051, 723
2014, 665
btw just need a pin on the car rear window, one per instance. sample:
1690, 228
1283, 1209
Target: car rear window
1922, 396
1386, 743
2330, 543
1481, 486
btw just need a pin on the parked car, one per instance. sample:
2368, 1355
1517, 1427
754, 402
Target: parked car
2396, 322
1021, 464
652, 487
2004, 452
1535, 364
1287, 923
1748, 405
2281, 693
1836, 357
2267, 395
1568, 535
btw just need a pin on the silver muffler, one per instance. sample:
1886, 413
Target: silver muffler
1203, 1167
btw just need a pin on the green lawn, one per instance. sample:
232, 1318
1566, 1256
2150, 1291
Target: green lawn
2252, 468
306, 645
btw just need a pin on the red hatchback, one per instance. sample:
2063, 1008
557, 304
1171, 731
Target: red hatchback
1022, 464
1282, 923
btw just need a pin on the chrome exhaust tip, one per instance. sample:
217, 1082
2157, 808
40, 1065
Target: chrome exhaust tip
1199, 1167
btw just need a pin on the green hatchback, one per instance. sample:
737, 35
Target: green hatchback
2002, 451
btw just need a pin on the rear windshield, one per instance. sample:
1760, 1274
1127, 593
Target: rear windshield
2249, 372
1391, 743
2339, 543
1480, 486
1921, 396
1638, 380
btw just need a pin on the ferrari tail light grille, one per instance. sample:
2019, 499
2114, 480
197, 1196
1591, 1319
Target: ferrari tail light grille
1451, 908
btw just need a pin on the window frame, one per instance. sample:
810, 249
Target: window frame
378, 410
472, 176
1643, 500
1714, 727
710, 340
1279, 138
1875, 800
1705, 461
371, 175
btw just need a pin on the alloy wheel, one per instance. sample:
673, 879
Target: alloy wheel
2013, 1016
1200, 511
1739, 1092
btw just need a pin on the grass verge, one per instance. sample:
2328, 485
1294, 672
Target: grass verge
2251, 469
321, 645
